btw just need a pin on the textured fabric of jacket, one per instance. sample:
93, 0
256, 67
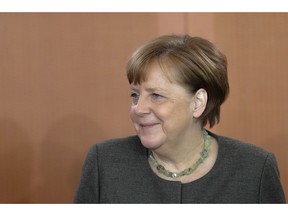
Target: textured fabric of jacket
117, 171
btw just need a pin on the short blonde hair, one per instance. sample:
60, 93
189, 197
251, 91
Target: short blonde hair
192, 62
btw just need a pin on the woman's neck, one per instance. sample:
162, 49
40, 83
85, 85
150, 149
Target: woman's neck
180, 154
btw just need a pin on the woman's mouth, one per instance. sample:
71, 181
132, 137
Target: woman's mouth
149, 125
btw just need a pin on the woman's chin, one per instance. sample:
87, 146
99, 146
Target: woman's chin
150, 143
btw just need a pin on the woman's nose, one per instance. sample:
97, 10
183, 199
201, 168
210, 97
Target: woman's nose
142, 106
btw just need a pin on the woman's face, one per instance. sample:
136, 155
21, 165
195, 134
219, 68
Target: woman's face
161, 110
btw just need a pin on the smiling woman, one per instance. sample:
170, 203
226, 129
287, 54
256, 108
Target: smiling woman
162, 111
178, 84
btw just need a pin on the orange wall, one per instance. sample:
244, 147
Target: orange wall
63, 88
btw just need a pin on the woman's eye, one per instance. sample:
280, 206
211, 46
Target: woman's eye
135, 97
157, 97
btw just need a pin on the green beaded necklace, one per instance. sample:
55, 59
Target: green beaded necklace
189, 170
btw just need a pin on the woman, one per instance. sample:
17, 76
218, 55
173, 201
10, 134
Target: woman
178, 84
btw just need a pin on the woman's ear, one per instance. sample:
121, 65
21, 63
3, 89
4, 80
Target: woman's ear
200, 101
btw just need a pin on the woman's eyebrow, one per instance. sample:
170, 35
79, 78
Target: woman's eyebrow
157, 89
149, 89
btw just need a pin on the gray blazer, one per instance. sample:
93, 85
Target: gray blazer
117, 171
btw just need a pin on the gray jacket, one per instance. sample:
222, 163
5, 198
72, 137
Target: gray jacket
117, 171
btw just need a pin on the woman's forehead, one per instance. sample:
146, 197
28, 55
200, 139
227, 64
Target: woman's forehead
154, 71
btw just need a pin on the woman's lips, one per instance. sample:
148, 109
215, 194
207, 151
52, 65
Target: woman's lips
149, 125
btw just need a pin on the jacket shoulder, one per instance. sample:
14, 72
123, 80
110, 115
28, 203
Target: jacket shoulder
241, 148
129, 146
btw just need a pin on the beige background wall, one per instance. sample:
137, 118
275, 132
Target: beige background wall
63, 88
